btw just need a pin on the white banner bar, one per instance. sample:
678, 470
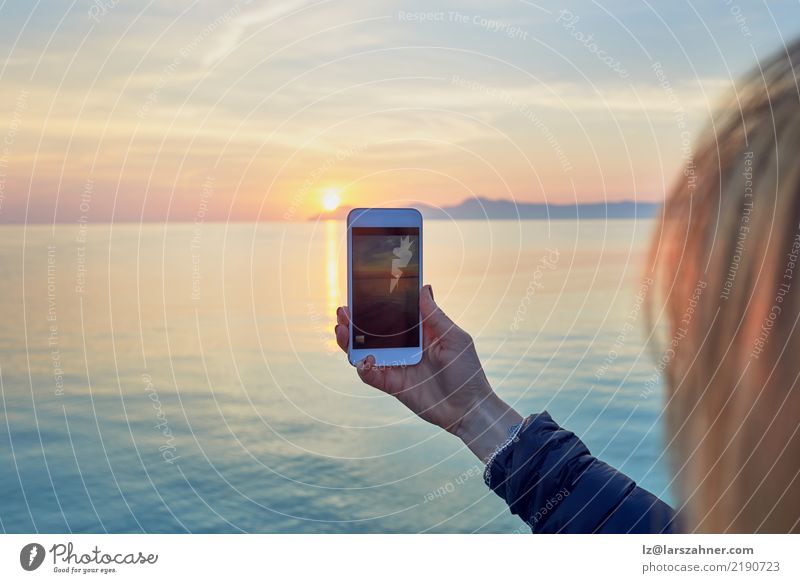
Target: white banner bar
488, 558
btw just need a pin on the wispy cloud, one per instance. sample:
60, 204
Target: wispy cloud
237, 27
268, 92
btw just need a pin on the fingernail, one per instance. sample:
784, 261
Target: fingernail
338, 311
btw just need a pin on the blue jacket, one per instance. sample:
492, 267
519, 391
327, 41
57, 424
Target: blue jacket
548, 478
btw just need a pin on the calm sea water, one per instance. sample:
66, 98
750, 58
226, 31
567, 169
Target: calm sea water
171, 378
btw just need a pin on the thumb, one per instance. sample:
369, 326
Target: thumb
370, 373
433, 318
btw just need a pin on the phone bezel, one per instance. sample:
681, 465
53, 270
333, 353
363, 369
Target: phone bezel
382, 217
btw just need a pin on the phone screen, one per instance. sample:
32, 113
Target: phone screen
385, 291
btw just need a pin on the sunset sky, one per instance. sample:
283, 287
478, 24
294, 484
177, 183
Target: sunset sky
268, 110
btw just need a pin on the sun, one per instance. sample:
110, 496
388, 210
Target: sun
331, 198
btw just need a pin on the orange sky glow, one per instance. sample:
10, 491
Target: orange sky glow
254, 111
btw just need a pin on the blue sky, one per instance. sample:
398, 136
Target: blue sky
275, 103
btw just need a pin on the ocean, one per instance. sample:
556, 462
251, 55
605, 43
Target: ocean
184, 377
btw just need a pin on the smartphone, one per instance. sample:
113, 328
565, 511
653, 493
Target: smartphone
384, 278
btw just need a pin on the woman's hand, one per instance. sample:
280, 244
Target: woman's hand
448, 387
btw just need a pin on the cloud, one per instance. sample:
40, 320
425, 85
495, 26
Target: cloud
235, 28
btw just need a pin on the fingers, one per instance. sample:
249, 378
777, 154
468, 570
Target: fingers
342, 328
343, 315
367, 371
342, 336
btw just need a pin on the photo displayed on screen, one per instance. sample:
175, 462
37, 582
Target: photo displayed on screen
385, 308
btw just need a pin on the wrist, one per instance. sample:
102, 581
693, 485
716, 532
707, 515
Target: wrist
486, 426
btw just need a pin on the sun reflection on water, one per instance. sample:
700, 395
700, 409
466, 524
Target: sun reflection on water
333, 266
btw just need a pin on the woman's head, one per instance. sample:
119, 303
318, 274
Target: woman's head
727, 259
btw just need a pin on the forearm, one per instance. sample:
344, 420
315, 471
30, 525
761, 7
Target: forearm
486, 426
549, 478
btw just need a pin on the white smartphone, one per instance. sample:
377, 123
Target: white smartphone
384, 279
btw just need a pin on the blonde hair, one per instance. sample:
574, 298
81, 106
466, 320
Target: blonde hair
726, 254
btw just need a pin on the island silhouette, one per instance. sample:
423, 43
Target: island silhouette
483, 208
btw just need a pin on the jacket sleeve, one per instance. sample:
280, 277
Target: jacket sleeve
548, 478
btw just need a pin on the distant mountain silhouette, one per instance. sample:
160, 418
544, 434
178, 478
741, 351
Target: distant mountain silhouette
481, 208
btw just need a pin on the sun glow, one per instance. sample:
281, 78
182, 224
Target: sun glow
331, 198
